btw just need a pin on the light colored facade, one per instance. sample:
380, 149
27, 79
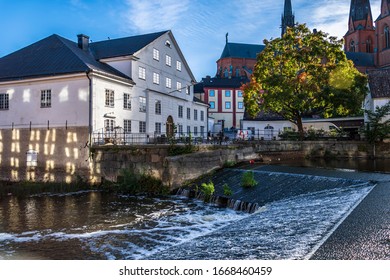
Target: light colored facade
57, 110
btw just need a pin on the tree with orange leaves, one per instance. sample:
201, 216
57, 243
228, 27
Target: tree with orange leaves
304, 73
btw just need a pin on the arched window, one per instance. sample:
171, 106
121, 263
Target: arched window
226, 73
352, 46
238, 72
368, 46
387, 37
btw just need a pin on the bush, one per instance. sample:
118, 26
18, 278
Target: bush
248, 180
208, 190
131, 183
227, 191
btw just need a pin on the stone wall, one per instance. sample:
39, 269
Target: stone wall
172, 170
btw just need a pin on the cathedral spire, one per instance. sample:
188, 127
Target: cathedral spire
288, 19
360, 16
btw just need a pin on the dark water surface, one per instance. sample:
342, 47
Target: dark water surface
94, 225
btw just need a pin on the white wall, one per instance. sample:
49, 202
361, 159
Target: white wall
69, 102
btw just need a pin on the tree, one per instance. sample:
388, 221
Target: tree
378, 127
304, 73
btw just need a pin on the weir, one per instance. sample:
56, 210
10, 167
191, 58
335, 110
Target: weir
271, 186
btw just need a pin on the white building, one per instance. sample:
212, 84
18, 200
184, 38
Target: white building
57, 96
140, 85
379, 90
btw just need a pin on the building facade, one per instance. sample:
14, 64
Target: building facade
59, 97
235, 66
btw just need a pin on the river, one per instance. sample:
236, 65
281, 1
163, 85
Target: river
297, 211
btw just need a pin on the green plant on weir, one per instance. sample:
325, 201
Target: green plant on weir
248, 180
227, 191
208, 190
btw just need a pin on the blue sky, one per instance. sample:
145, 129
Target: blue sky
199, 26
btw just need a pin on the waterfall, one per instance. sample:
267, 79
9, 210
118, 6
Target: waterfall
222, 201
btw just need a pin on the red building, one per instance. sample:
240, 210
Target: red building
368, 44
223, 91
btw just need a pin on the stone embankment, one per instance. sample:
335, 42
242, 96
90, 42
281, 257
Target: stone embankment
174, 171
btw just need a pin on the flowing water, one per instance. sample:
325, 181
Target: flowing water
298, 214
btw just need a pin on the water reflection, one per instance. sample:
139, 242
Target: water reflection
94, 225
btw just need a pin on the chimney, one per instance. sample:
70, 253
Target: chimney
83, 42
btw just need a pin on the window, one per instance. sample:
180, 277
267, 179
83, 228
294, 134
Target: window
156, 54
178, 86
211, 93
142, 127
180, 112
142, 73
352, 46
180, 127
157, 129
228, 105
156, 78
368, 45
195, 114
188, 113
126, 101
4, 101
178, 65
109, 98
127, 126
202, 130
240, 105
158, 107
168, 82
109, 125
188, 129
168, 60
202, 116
188, 90
195, 130
212, 105
227, 93
46, 98
238, 72
142, 104
387, 37
239, 93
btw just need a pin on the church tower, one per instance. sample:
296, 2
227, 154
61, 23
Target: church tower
383, 35
361, 31
288, 19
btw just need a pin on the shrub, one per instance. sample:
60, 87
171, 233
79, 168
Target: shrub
208, 190
227, 191
248, 180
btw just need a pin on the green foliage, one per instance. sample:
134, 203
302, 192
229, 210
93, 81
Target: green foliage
378, 128
142, 183
304, 73
176, 150
229, 163
208, 190
248, 180
227, 191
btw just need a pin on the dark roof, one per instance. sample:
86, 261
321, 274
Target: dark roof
379, 81
360, 10
51, 56
123, 46
242, 50
361, 59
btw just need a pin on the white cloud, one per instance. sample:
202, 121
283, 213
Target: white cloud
151, 15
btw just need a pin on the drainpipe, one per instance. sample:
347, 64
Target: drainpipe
90, 108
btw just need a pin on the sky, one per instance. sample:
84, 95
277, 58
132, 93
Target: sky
199, 26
